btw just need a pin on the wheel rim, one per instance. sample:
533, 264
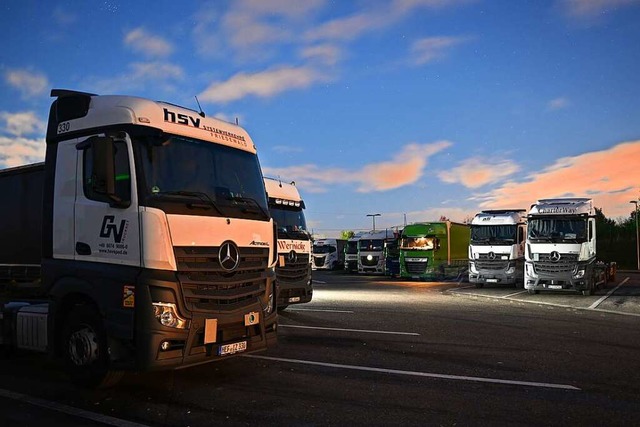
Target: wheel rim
83, 346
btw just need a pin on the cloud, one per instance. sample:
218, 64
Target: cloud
610, 177
15, 147
406, 168
558, 104
21, 124
593, 8
156, 74
432, 48
372, 19
325, 54
262, 84
476, 172
29, 83
149, 45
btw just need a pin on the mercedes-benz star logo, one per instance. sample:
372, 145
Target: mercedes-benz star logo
293, 256
491, 256
554, 256
229, 256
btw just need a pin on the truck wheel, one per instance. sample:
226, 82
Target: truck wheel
282, 307
479, 285
85, 349
533, 291
587, 292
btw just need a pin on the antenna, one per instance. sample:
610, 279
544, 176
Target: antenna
237, 122
201, 113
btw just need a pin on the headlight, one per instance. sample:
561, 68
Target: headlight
167, 315
472, 267
369, 257
531, 272
269, 307
579, 274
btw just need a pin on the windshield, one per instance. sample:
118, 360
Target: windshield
418, 243
323, 249
558, 229
371, 245
493, 234
290, 221
351, 248
391, 249
188, 176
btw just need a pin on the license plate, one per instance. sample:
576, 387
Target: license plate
555, 286
492, 280
294, 299
236, 347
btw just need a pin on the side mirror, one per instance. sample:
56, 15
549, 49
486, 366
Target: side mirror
103, 177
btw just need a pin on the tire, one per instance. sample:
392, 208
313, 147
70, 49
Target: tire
85, 349
533, 291
282, 307
479, 285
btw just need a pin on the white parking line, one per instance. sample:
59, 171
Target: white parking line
319, 310
348, 330
69, 410
319, 281
418, 374
515, 293
597, 303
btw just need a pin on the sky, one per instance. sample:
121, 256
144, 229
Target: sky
411, 109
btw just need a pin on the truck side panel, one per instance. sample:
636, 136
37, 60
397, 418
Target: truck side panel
21, 215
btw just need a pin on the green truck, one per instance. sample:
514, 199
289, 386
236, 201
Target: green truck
434, 250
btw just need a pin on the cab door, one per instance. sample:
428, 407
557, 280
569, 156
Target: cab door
107, 228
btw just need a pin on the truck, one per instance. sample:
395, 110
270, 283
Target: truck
328, 254
392, 257
351, 254
561, 247
143, 242
434, 250
293, 270
496, 250
371, 251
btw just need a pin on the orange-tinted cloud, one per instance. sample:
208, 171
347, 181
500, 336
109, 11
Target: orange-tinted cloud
405, 168
611, 177
476, 172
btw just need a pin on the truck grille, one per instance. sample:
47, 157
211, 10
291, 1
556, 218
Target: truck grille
415, 267
318, 261
294, 271
565, 264
483, 262
208, 287
369, 263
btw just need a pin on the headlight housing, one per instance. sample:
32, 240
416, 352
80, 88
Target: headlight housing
167, 314
472, 268
530, 270
579, 273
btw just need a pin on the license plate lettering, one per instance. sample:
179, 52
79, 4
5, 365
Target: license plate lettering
235, 347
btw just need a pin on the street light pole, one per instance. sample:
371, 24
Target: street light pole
635, 202
373, 216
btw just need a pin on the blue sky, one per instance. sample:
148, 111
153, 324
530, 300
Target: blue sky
416, 108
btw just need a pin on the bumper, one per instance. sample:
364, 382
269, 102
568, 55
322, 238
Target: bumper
294, 293
566, 283
493, 277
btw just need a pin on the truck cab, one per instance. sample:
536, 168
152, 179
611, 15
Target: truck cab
293, 271
155, 241
496, 249
371, 251
328, 254
351, 254
561, 246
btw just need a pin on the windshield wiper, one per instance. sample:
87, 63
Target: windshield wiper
199, 194
250, 200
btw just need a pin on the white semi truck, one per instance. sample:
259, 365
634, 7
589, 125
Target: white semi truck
143, 242
293, 271
328, 254
561, 247
496, 248
371, 251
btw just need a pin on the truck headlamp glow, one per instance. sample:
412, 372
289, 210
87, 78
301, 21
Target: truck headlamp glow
579, 274
167, 315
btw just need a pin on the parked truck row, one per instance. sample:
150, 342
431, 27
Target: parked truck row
551, 247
